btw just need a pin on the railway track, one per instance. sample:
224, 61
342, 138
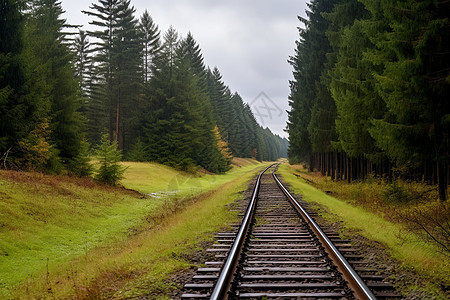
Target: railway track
278, 251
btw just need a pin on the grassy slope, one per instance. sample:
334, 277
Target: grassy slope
412, 254
46, 221
141, 177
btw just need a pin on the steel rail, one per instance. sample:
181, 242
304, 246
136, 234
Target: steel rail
356, 283
224, 281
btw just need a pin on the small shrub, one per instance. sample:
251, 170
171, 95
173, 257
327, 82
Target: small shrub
110, 171
431, 221
81, 165
54, 164
395, 193
34, 149
138, 151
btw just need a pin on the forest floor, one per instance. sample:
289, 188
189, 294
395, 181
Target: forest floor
385, 219
64, 237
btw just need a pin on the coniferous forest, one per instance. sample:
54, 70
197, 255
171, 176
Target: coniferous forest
371, 89
148, 92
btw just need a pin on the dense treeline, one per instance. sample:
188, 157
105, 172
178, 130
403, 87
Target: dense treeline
370, 90
41, 127
150, 93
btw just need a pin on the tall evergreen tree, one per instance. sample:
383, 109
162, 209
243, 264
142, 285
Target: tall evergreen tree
179, 126
219, 95
83, 63
118, 59
151, 43
308, 62
156, 115
414, 83
12, 75
191, 51
101, 106
53, 60
352, 84
24, 104
353, 88
128, 81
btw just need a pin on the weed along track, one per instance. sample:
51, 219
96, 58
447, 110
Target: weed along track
278, 251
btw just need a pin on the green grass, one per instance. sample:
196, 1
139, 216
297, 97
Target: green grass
45, 221
143, 263
159, 180
413, 254
48, 221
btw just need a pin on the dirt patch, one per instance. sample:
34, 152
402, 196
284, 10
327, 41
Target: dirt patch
56, 182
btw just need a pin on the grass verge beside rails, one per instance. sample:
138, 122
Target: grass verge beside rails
60, 236
411, 252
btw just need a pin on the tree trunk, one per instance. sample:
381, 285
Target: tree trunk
333, 165
442, 171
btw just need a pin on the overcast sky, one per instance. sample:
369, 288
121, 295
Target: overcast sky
249, 42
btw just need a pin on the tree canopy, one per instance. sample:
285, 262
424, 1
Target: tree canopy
150, 93
371, 81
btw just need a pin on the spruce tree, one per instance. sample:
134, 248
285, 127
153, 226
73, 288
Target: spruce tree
83, 64
108, 156
150, 38
191, 51
24, 97
53, 62
308, 64
138, 151
179, 125
81, 165
118, 57
352, 84
353, 88
414, 83
13, 77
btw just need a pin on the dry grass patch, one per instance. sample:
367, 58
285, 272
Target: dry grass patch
363, 207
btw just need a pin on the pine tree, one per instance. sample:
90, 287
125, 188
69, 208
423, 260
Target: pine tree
118, 59
13, 76
308, 64
53, 62
192, 52
151, 43
414, 83
137, 152
81, 165
179, 125
83, 64
108, 156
